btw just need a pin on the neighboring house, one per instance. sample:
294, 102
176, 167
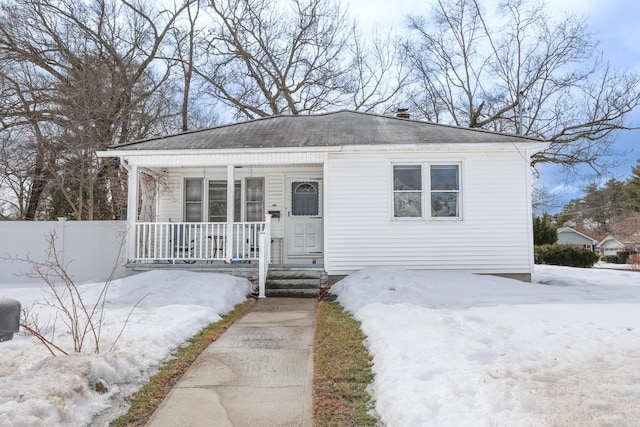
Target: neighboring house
611, 245
569, 236
342, 191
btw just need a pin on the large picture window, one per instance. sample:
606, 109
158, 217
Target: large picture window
435, 194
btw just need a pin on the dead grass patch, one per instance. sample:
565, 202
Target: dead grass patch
342, 370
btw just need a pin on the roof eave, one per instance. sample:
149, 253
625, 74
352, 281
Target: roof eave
529, 147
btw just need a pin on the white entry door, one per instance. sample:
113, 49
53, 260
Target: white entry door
304, 219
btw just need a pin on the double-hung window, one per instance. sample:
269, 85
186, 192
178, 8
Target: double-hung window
445, 191
218, 201
407, 191
434, 194
193, 200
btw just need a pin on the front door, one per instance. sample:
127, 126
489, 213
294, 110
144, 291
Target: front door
304, 220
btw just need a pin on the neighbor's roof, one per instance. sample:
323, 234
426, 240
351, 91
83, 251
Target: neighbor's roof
338, 128
571, 230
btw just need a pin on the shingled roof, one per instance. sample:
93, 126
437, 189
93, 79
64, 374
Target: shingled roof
340, 128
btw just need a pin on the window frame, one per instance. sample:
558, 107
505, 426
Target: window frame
186, 202
240, 185
394, 192
427, 191
260, 201
458, 191
238, 202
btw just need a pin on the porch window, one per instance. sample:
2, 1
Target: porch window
445, 191
218, 201
255, 199
193, 200
407, 191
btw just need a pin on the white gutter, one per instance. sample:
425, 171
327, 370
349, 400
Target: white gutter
471, 147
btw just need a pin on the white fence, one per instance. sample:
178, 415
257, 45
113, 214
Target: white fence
89, 249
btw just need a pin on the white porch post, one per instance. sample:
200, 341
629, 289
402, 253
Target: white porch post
132, 210
231, 186
264, 256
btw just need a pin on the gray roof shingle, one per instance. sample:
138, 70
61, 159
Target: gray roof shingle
340, 128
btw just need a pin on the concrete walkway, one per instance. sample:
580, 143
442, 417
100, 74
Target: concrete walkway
259, 373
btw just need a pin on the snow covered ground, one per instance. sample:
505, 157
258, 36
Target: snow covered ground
449, 349
37, 389
452, 349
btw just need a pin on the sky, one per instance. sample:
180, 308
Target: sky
448, 348
615, 25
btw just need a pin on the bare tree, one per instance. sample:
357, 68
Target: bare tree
90, 73
378, 74
514, 69
266, 58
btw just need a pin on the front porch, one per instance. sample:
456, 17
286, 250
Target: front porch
188, 243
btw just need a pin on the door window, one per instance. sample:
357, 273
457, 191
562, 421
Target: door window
305, 199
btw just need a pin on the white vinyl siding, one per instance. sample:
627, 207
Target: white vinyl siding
493, 236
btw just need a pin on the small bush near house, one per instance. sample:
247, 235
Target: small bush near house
611, 259
623, 256
565, 255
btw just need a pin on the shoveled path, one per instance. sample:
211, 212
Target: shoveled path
258, 373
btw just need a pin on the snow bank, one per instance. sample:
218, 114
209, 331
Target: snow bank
460, 349
41, 390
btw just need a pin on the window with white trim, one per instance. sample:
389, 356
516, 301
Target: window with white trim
445, 191
436, 194
218, 201
193, 200
255, 199
407, 191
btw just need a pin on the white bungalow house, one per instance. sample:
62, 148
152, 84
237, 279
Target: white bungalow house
338, 191
569, 236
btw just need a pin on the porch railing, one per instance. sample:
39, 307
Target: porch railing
199, 241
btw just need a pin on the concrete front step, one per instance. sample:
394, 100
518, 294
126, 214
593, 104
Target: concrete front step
294, 282
292, 293
295, 273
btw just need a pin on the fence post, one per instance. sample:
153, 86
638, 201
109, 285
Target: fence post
60, 229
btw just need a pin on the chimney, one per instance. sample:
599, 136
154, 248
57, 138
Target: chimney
403, 113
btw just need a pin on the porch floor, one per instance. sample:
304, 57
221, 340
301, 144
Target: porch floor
243, 269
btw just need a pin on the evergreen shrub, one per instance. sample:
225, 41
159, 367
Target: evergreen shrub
612, 259
565, 255
623, 256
